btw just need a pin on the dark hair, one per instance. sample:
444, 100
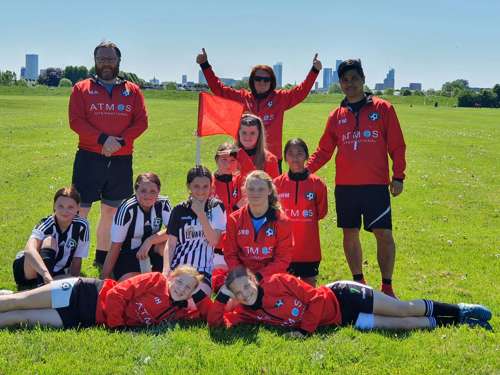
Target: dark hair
69, 192
237, 272
297, 142
148, 176
108, 45
350, 64
233, 149
265, 68
198, 171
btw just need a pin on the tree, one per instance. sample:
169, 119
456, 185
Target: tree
171, 86
496, 90
335, 89
50, 77
405, 92
467, 99
75, 73
430, 92
418, 93
288, 86
389, 92
65, 82
487, 98
22, 83
7, 78
242, 84
454, 88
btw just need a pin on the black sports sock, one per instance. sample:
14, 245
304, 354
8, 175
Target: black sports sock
434, 308
358, 277
445, 321
387, 281
100, 256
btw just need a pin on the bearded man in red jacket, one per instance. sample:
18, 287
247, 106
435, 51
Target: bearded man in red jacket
108, 114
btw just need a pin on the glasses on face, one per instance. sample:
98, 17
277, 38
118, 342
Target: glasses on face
262, 79
102, 60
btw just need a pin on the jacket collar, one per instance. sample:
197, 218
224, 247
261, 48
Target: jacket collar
368, 97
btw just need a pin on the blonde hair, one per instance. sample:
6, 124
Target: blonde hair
263, 176
249, 119
187, 270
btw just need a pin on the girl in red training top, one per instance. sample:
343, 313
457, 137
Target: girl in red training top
303, 197
285, 300
259, 235
252, 139
265, 99
227, 186
143, 300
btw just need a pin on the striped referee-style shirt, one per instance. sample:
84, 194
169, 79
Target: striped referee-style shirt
192, 247
73, 242
132, 226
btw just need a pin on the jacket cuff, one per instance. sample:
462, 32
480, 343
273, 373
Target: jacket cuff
198, 296
205, 65
398, 179
258, 276
102, 138
222, 298
313, 69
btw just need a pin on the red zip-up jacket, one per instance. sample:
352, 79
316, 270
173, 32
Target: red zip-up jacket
283, 300
362, 143
144, 300
95, 114
270, 109
303, 197
266, 252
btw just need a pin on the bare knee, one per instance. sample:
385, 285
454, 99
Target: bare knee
384, 236
49, 243
351, 236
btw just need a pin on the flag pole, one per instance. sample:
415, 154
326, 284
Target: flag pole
197, 132
198, 149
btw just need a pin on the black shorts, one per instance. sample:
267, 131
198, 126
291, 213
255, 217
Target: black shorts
49, 258
82, 304
304, 269
372, 202
354, 298
127, 262
97, 177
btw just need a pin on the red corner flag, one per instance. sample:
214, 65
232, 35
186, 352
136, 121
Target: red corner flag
217, 115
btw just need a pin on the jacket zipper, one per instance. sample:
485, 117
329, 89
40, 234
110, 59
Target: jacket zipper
296, 192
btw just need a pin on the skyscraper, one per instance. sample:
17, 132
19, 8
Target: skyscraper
389, 80
31, 71
184, 79
335, 74
201, 78
278, 72
23, 72
327, 78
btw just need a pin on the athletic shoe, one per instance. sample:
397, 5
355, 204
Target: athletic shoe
4, 292
477, 322
468, 310
387, 289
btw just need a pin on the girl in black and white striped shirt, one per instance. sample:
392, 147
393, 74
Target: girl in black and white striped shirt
195, 227
56, 245
137, 240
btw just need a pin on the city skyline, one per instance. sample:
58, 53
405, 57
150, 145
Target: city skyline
426, 42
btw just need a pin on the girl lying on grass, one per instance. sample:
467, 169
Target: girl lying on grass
143, 300
284, 300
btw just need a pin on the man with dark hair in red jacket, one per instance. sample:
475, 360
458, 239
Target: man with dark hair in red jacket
108, 114
364, 130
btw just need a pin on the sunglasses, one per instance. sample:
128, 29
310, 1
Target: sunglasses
262, 79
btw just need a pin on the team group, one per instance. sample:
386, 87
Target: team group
248, 233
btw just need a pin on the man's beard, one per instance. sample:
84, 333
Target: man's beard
106, 75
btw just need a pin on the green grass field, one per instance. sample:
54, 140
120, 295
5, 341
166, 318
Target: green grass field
446, 226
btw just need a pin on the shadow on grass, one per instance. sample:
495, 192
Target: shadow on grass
246, 333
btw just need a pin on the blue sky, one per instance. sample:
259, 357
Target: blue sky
425, 41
